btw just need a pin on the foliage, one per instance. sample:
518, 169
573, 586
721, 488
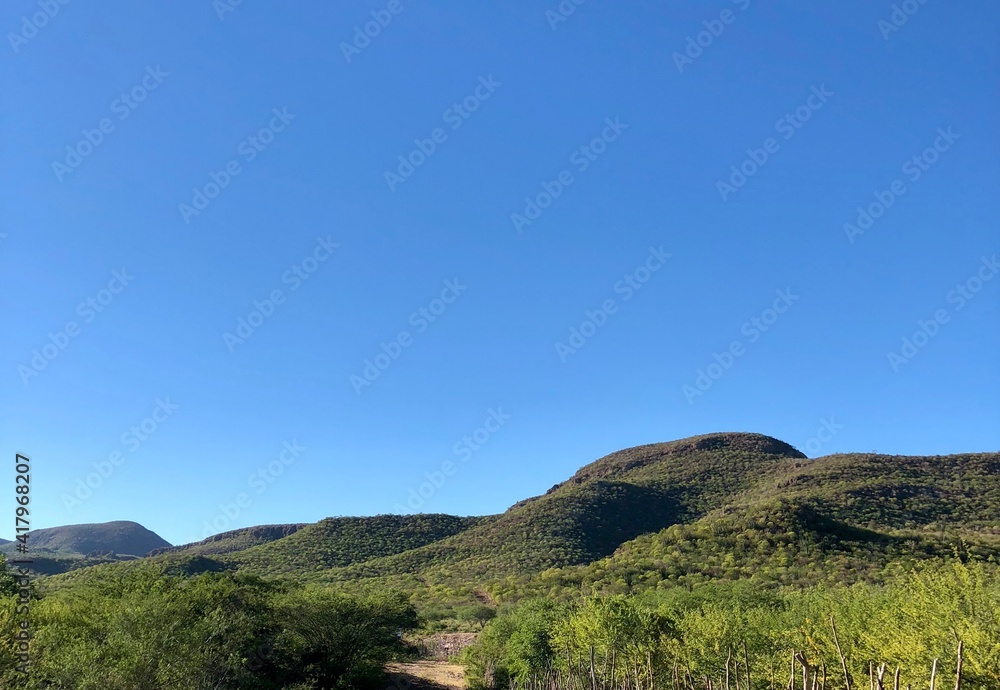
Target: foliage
478, 613
142, 628
514, 645
233, 540
658, 560
672, 635
8, 582
337, 542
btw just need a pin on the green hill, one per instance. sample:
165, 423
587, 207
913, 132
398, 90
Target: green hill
119, 537
841, 518
719, 506
233, 540
926, 493
691, 549
608, 502
59, 549
342, 541
723, 506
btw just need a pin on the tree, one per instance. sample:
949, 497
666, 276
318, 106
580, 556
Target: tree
478, 613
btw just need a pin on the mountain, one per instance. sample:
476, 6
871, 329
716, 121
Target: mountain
720, 506
605, 504
337, 542
717, 506
234, 540
840, 518
326, 544
120, 537
58, 549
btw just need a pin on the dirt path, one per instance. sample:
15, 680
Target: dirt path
426, 675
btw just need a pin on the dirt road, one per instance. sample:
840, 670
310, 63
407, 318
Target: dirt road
426, 675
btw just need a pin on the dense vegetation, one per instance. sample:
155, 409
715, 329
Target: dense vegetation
615, 499
335, 542
725, 506
729, 633
665, 559
704, 485
143, 628
233, 540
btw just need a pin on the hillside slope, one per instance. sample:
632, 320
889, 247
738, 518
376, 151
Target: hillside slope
729, 506
121, 537
233, 540
839, 518
606, 503
342, 541
718, 506
56, 550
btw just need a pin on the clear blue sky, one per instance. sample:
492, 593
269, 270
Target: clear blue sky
182, 93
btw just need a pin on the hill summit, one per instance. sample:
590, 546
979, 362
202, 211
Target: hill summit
121, 537
622, 462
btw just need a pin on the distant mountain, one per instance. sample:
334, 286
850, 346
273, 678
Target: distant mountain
119, 538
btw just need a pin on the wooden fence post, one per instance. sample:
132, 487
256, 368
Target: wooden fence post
593, 676
746, 663
843, 661
729, 659
958, 671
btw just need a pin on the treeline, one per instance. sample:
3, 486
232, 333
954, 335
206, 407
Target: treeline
140, 628
736, 636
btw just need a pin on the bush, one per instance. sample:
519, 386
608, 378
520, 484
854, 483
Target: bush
142, 630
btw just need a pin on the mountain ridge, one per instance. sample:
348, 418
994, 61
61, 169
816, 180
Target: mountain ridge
678, 511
